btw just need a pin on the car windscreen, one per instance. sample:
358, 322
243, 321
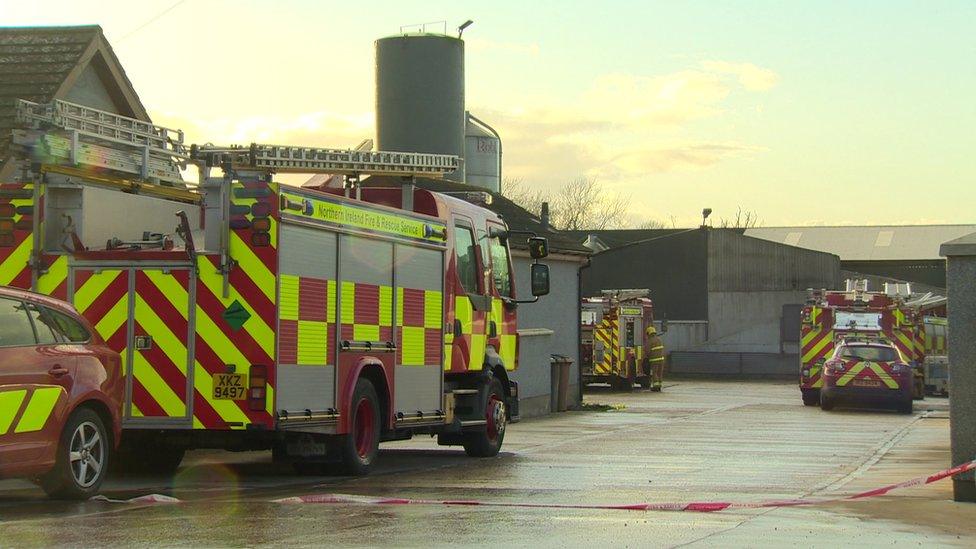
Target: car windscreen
872, 353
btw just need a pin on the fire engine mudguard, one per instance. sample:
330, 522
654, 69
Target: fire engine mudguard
376, 372
494, 367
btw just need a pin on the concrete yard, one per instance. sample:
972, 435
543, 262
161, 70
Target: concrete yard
696, 441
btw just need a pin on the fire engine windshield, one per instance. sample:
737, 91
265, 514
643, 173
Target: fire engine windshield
844, 320
871, 353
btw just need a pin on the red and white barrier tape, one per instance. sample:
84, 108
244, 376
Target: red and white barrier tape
701, 506
149, 498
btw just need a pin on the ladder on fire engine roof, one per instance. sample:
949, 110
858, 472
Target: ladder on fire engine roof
294, 159
66, 133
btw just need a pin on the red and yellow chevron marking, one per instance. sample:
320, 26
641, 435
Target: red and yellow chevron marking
54, 282
159, 374
815, 344
419, 327
17, 208
219, 345
306, 328
103, 298
607, 333
904, 340
868, 370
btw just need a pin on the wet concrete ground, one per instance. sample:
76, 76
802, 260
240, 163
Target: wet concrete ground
696, 441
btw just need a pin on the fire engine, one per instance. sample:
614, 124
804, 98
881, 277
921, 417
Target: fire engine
830, 317
613, 338
316, 322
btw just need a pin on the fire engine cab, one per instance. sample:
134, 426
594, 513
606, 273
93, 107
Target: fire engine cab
832, 317
314, 321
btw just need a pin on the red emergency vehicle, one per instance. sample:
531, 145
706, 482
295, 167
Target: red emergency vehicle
61, 392
314, 321
829, 317
867, 370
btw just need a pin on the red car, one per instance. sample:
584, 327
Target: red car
61, 391
872, 372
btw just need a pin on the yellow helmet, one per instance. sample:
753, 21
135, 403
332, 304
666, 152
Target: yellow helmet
651, 330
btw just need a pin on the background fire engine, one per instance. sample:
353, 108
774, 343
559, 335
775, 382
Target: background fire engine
316, 322
893, 315
614, 342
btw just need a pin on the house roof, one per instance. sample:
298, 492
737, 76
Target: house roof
869, 243
42, 64
515, 216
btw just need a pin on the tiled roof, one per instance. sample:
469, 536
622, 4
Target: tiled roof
36, 61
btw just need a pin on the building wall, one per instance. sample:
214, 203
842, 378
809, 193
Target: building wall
557, 312
672, 267
89, 90
738, 263
747, 321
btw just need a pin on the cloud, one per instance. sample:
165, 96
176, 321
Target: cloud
680, 156
751, 77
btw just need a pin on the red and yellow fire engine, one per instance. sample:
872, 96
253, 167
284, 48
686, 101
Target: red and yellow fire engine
317, 322
830, 317
615, 346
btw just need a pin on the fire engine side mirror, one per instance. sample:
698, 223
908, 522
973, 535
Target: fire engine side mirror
538, 247
540, 279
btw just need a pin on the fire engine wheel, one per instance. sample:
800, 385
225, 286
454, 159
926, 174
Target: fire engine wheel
811, 397
905, 407
487, 442
645, 382
82, 458
826, 403
362, 445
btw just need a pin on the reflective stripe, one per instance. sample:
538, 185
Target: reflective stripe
16, 262
39, 409
10, 402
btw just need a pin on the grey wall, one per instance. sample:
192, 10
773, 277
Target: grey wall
962, 368
558, 312
672, 267
747, 321
738, 263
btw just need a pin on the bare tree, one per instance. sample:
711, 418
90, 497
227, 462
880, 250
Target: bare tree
516, 190
744, 219
581, 204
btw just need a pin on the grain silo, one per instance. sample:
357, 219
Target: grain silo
420, 94
482, 155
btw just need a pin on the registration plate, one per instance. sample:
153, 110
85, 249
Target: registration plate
229, 386
866, 383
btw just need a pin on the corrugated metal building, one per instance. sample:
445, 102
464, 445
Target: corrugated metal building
900, 252
722, 292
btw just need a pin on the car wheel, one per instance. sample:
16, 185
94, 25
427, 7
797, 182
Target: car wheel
826, 403
361, 446
811, 397
487, 442
905, 407
83, 456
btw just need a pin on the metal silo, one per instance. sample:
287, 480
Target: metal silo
420, 94
482, 155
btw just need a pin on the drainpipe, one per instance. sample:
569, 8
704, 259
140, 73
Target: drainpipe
579, 329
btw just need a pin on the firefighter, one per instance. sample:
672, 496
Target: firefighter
654, 357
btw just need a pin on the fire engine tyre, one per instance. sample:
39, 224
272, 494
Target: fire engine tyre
487, 442
360, 448
826, 403
83, 455
811, 397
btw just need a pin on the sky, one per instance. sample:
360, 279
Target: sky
805, 113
